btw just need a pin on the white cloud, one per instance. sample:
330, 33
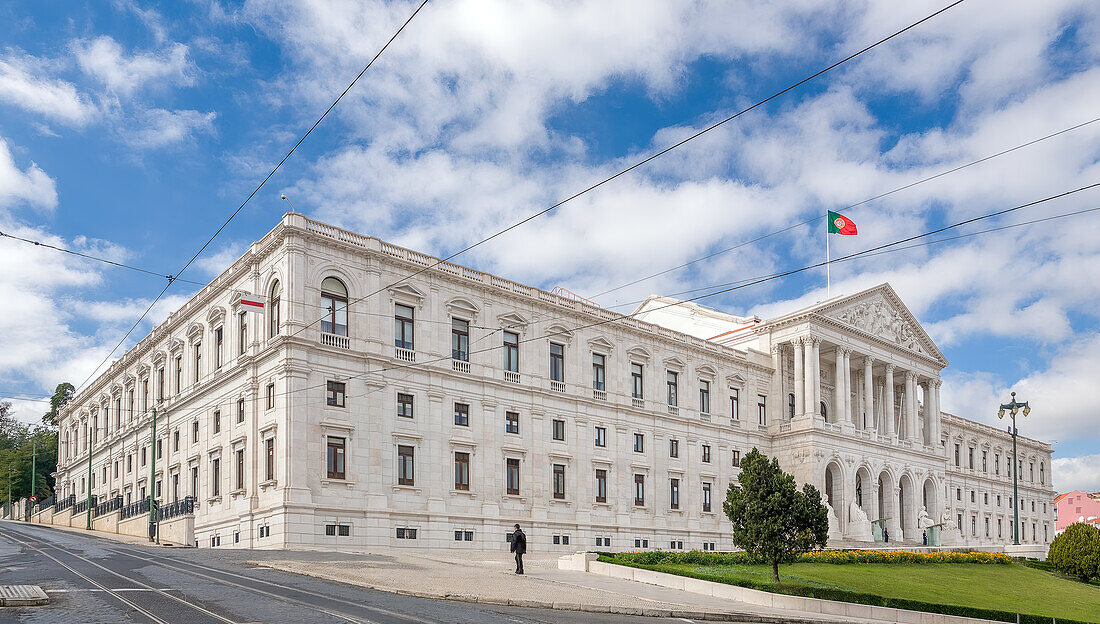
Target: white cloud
159, 128
1077, 473
122, 73
22, 84
31, 185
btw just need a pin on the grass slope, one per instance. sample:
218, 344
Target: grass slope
1011, 587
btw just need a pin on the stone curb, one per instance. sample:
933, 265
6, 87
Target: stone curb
710, 616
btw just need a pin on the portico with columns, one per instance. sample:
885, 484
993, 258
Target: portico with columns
860, 417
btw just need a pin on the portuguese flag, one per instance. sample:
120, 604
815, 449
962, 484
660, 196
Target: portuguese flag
839, 224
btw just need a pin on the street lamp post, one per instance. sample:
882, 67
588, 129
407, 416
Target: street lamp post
1012, 407
11, 471
91, 447
153, 482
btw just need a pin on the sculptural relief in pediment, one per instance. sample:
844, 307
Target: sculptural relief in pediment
877, 317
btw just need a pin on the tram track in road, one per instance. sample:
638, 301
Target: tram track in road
146, 610
207, 571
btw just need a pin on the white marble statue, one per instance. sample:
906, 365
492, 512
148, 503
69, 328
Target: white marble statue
924, 520
834, 524
859, 527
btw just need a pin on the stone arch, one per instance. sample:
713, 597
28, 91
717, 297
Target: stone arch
907, 505
886, 505
864, 491
833, 487
930, 498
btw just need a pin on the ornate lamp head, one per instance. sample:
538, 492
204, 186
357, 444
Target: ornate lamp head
1001, 414
1027, 410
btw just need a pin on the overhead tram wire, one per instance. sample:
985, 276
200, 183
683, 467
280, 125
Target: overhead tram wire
653, 156
258, 187
873, 251
84, 255
849, 207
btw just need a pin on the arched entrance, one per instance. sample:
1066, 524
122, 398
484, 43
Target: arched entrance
907, 515
930, 499
864, 493
834, 489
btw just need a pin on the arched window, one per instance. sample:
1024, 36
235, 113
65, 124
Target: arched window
790, 406
824, 412
334, 302
273, 304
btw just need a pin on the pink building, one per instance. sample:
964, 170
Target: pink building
1076, 506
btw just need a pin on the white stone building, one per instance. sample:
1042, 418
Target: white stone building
443, 407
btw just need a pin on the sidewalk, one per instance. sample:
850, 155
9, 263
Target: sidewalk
488, 578
118, 537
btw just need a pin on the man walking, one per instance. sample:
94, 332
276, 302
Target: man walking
519, 546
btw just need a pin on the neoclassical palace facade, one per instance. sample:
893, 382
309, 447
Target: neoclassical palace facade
380, 399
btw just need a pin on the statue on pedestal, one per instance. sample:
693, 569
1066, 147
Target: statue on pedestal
924, 520
834, 524
859, 527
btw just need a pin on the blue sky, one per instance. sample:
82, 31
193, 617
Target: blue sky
132, 130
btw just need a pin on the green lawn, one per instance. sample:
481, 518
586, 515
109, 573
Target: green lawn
1013, 587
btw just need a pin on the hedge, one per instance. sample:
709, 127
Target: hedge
695, 557
826, 593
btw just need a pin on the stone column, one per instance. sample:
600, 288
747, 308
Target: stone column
815, 380
779, 400
934, 422
799, 378
888, 402
910, 406
808, 372
847, 370
838, 387
869, 390
926, 436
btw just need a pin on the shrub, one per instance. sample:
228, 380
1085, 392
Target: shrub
696, 557
1077, 551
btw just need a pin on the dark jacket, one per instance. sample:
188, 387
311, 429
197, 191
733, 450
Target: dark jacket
519, 542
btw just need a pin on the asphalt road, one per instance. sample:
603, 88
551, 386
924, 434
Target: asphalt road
91, 580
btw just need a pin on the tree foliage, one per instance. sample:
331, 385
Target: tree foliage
26, 448
1077, 551
61, 395
771, 518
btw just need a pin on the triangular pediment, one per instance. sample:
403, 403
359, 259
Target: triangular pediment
879, 312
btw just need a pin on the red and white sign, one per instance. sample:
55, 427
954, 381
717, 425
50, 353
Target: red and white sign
34, 499
255, 303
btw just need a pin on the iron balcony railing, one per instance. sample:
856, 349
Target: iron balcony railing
65, 503
178, 508
82, 505
109, 505
135, 508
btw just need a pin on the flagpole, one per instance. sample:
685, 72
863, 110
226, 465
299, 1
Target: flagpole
828, 261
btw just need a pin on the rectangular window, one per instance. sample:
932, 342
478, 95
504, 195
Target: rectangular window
404, 405
704, 396
460, 340
598, 371
240, 468
270, 396
735, 407
462, 471
129, 463
674, 493
601, 436
215, 477
637, 381
160, 384
179, 374
402, 326
240, 411
219, 341
736, 454
217, 421
197, 361
985, 462
639, 490
194, 432
513, 476
601, 485
970, 457
195, 481
639, 442
405, 465
559, 481
706, 453
406, 533
462, 414
557, 362
143, 456
673, 447
336, 394
511, 352
762, 410
956, 454
269, 459
671, 382
242, 332
997, 464
511, 422
558, 429
160, 449
335, 458
144, 397
706, 497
